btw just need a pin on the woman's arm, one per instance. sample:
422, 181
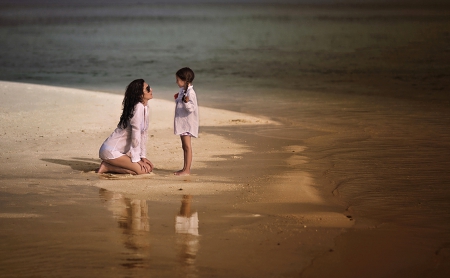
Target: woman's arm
136, 137
144, 162
143, 142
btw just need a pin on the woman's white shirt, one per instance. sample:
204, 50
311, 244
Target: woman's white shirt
132, 140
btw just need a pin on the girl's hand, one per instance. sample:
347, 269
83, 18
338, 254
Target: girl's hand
147, 163
175, 96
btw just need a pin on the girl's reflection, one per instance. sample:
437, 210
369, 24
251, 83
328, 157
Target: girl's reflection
186, 222
186, 226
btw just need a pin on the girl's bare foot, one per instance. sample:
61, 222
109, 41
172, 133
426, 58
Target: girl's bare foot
182, 173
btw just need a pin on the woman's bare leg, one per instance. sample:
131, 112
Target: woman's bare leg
121, 165
187, 154
109, 168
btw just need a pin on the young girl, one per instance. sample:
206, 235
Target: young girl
124, 151
186, 116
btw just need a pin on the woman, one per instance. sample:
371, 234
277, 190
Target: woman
124, 151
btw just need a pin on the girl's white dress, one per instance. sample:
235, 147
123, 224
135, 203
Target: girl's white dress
186, 114
130, 141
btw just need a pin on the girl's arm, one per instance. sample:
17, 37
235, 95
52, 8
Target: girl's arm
190, 101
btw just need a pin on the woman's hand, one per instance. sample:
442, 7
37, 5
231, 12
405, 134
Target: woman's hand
148, 164
144, 166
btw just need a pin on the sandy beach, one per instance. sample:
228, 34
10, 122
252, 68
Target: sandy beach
52, 138
257, 213
323, 148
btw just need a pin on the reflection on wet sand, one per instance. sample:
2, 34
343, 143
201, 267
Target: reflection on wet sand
132, 217
133, 223
186, 227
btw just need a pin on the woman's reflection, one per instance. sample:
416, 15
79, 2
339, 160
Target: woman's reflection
186, 226
132, 217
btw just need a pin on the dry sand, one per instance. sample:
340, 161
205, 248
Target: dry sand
49, 131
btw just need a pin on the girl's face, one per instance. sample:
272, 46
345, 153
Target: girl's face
180, 82
147, 92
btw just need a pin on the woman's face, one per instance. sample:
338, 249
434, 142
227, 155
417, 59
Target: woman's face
148, 92
180, 82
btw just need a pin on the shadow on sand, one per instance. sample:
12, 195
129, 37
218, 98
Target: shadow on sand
77, 163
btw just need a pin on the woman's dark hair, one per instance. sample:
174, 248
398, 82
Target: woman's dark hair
133, 95
187, 75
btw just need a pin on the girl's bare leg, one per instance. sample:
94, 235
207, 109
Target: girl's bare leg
121, 165
187, 154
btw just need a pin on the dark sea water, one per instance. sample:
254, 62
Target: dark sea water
375, 78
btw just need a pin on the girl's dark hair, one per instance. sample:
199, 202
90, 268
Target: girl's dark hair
187, 75
133, 95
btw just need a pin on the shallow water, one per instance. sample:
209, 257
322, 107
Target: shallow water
369, 85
